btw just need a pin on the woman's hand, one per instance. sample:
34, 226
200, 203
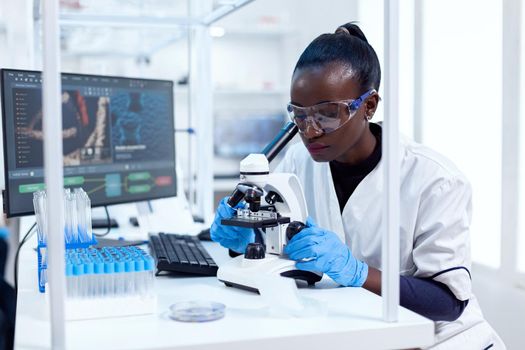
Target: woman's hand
231, 237
317, 249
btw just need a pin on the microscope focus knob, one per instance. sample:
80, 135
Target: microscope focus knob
254, 251
294, 228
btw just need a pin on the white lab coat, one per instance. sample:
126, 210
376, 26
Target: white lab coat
434, 227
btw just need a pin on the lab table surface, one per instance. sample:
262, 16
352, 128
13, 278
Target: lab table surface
349, 318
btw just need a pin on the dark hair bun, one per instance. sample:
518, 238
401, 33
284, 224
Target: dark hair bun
348, 45
351, 29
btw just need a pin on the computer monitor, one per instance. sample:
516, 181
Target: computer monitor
238, 134
118, 138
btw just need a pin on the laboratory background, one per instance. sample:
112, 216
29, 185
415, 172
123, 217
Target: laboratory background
461, 76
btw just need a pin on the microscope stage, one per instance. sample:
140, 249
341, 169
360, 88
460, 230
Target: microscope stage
255, 222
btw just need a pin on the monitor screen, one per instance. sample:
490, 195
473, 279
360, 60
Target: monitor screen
237, 135
117, 133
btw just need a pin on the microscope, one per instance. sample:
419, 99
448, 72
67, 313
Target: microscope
275, 208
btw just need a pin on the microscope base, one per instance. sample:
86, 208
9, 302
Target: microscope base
242, 273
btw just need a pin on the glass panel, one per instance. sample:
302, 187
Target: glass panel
521, 233
371, 22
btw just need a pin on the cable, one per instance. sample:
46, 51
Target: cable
108, 227
28, 235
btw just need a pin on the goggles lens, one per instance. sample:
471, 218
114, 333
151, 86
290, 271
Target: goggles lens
325, 117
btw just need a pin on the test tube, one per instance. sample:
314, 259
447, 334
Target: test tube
81, 214
38, 215
109, 272
39, 198
89, 269
76, 284
43, 215
149, 266
74, 218
139, 275
87, 208
130, 271
69, 277
67, 215
98, 277
120, 272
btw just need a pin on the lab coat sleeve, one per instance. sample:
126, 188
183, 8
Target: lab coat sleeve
442, 238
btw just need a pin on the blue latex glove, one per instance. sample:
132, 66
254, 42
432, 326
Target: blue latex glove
324, 252
231, 237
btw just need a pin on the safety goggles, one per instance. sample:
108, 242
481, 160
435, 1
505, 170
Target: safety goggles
326, 117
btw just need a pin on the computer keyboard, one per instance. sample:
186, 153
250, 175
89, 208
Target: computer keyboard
181, 253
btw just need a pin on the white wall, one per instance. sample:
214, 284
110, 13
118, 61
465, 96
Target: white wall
462, 105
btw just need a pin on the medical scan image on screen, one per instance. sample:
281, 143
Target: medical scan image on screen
115, 133
85, 128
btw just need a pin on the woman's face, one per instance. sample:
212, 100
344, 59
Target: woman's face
332, 82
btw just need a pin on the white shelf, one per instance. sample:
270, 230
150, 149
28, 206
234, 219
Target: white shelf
259, 33
171, 14
119, 25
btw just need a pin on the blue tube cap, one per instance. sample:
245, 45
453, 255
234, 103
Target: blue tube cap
130, 265
149, 263
139, 265
89, 268
78, 269
109, 267
99, 267
69, 269
120, 266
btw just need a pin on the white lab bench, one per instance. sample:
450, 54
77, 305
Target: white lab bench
352, 317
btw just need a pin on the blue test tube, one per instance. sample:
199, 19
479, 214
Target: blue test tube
129, 277
149, 267
98, 277
120, 270
78, 272
109, 272
89, 270
139, 275
69, 277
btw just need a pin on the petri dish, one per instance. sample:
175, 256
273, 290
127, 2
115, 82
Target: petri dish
197, 311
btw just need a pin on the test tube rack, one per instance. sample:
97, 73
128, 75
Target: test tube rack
106, 282
42, 259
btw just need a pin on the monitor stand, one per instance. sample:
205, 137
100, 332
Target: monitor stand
144, 211
103, 223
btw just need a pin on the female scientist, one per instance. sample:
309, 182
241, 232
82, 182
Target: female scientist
333, 97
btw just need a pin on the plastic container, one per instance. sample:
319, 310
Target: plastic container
197, 311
